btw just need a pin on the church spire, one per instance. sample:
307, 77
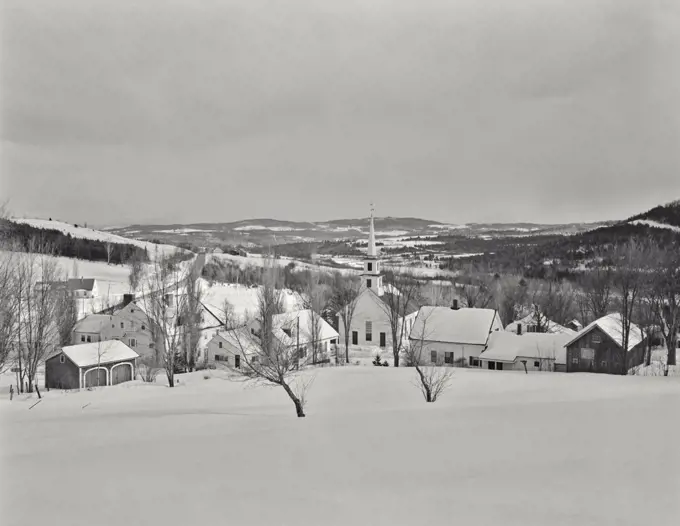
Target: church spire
371, 238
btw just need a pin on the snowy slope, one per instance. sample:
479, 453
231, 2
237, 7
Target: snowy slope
497, 449
95, 235
655, 224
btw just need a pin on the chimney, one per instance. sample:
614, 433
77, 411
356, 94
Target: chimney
127, 299
454, 306
519, 329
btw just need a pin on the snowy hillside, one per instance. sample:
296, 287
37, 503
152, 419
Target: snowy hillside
654, 224
95, 235
499, 448
243, 299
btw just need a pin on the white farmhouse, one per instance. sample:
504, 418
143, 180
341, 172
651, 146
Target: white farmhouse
371, 320
453, 336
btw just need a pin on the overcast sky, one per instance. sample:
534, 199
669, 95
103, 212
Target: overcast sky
126, 111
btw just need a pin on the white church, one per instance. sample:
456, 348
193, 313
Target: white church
370, 325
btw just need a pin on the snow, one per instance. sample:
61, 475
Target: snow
95, 235
243, 299
87, 354
507, 449
655, 224
289, 321
442, 324
507, 347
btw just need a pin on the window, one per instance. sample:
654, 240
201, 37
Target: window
369, 266
369, 331
219, 345
113, 325
237, 361
89, 339
383, 339
132, 342
433, 356
143, 327
587, 354
122, 325
537, 363
499, 366
288, 332
368, 283
62, 359
448, 358
474, 362
333, 342
82, 337
596, 338
355, 337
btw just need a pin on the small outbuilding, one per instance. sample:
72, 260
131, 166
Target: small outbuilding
538, 351
91, 365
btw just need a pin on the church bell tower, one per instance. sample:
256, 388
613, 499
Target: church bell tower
370, 277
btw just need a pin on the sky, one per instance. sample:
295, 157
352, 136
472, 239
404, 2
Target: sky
168, 111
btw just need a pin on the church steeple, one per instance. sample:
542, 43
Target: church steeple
372, 252
371, 278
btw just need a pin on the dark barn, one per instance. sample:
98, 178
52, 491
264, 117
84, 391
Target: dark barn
599, 348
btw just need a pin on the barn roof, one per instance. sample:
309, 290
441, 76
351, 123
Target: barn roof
612, 325
443, 324
550, 326
93, 323
507, 347
90, 354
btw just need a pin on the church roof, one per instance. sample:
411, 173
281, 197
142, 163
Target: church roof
390, 300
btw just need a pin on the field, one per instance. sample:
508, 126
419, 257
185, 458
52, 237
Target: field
498, 448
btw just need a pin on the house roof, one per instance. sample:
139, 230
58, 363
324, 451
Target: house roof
288, 322
507, 347
81, 283
551, 326
93, 323
241, 339
612, 325
443, 324
90, 354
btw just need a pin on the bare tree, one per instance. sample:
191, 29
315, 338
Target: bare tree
476, 289
597, 284
432, 380
192, 319
665, 297
67, 316
344, 303
164, 300
551, 302
9, 307
401, 298
629, 260
109, 252
315, 299
511, 298
266, 358
38, 303
136, 272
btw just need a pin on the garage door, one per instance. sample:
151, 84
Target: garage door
95, 378
121, 373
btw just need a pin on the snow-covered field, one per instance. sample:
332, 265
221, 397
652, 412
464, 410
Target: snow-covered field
499, 448
243, 299
95, 235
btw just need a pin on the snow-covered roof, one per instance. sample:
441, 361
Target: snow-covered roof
507, 347
612, 325
93, 323
88, 354
240, 339
551, 326
443, 324
285, 327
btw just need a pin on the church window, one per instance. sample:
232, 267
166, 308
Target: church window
369, 331
370, 266
368, 283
